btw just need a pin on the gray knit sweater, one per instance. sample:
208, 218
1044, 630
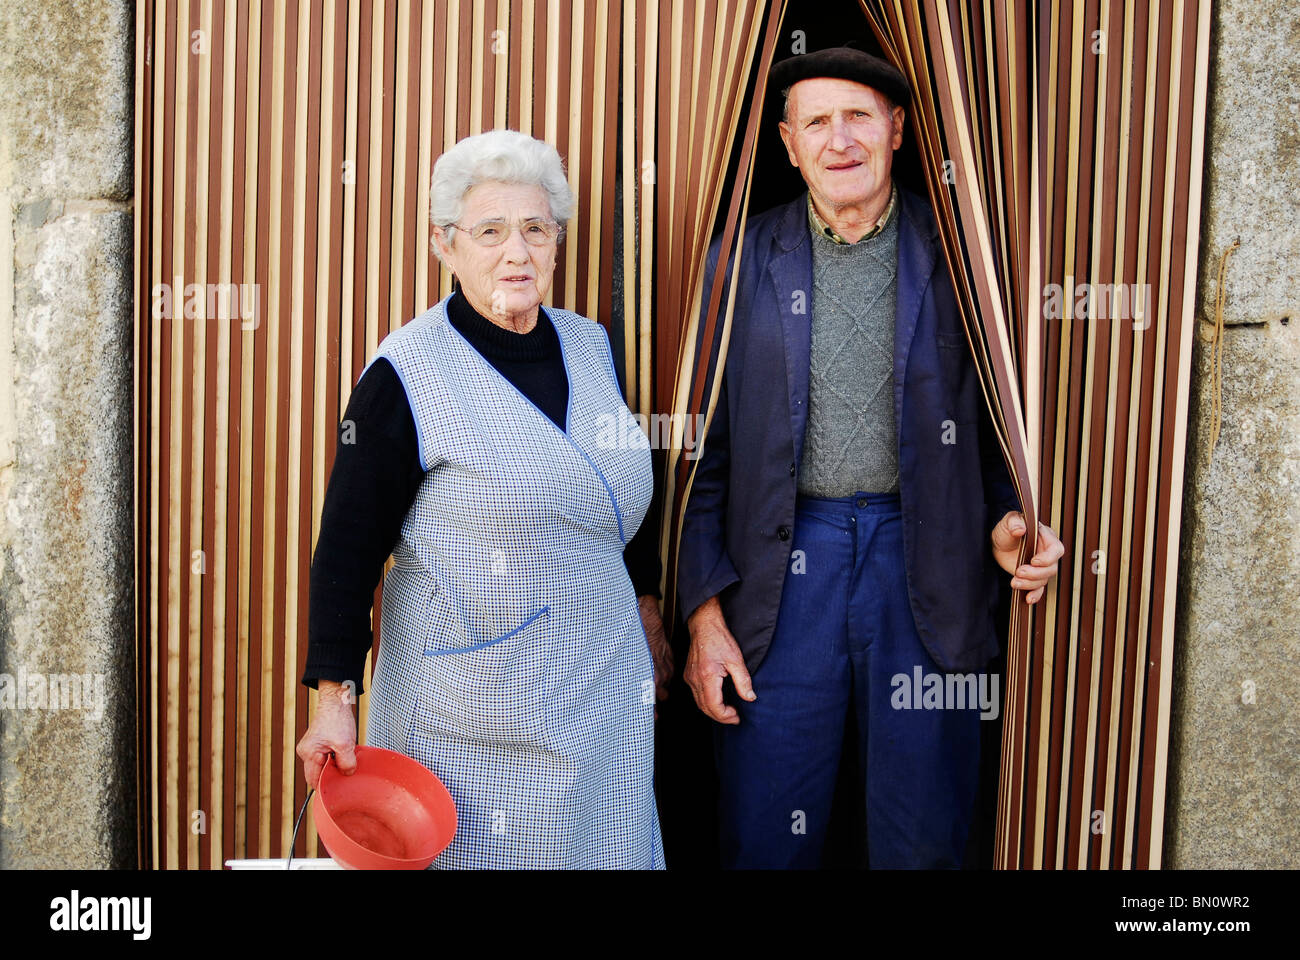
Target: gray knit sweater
851, 443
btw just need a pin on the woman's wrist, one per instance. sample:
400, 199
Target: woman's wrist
333, 692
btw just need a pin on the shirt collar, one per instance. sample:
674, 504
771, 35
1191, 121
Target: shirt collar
818, 225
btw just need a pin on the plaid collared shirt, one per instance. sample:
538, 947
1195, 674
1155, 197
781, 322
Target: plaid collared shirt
818, 225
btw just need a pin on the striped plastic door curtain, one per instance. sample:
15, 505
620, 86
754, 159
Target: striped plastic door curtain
283, 156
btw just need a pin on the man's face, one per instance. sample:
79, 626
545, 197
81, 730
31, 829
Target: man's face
842, 136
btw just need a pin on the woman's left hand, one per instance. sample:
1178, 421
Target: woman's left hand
660, 652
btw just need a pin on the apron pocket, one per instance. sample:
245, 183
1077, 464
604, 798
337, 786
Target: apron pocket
434, 648
493, 690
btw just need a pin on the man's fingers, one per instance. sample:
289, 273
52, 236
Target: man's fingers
712, 691
1034, 576
718, 708
1048, 556
713, 704
740, 677
1009, 530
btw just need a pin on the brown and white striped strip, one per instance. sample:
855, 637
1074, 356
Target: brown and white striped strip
1075, 133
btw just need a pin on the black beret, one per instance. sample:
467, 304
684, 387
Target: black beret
844, 63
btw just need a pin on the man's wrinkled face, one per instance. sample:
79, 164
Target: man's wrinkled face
842, 136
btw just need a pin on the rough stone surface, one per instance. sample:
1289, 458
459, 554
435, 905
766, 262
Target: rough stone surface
1234, 770
1252, 161
67, 776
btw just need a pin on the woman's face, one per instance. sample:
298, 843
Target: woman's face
506, 282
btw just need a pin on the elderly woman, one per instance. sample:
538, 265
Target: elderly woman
517, 660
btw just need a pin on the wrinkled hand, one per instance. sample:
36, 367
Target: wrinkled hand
657, 638
713, 655
333, 730
1032, 576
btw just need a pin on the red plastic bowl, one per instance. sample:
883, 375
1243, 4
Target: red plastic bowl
392, 814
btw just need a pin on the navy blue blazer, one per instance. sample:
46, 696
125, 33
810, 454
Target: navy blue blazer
953, 482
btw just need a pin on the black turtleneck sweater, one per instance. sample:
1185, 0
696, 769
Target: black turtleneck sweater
375, 478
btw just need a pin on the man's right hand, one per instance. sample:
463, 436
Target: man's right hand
714, 655
333, 730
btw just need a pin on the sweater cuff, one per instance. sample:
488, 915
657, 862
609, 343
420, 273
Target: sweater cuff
341, 661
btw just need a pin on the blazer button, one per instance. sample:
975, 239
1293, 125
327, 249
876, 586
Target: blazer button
783, 533
792, 469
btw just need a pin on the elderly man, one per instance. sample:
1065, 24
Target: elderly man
851, 508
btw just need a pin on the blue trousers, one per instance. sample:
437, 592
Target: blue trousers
843, 637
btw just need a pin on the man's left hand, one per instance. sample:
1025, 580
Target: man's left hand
1034, 575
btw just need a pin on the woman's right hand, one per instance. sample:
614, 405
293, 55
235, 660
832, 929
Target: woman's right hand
333, 730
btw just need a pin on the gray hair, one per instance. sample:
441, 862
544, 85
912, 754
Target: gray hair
502, 156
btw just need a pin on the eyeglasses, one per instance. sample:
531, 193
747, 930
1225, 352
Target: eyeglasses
536, 231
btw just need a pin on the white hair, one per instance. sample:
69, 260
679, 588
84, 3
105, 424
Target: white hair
501, 156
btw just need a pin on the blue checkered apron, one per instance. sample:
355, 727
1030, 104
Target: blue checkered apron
512, 661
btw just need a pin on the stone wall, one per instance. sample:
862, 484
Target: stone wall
67, 775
